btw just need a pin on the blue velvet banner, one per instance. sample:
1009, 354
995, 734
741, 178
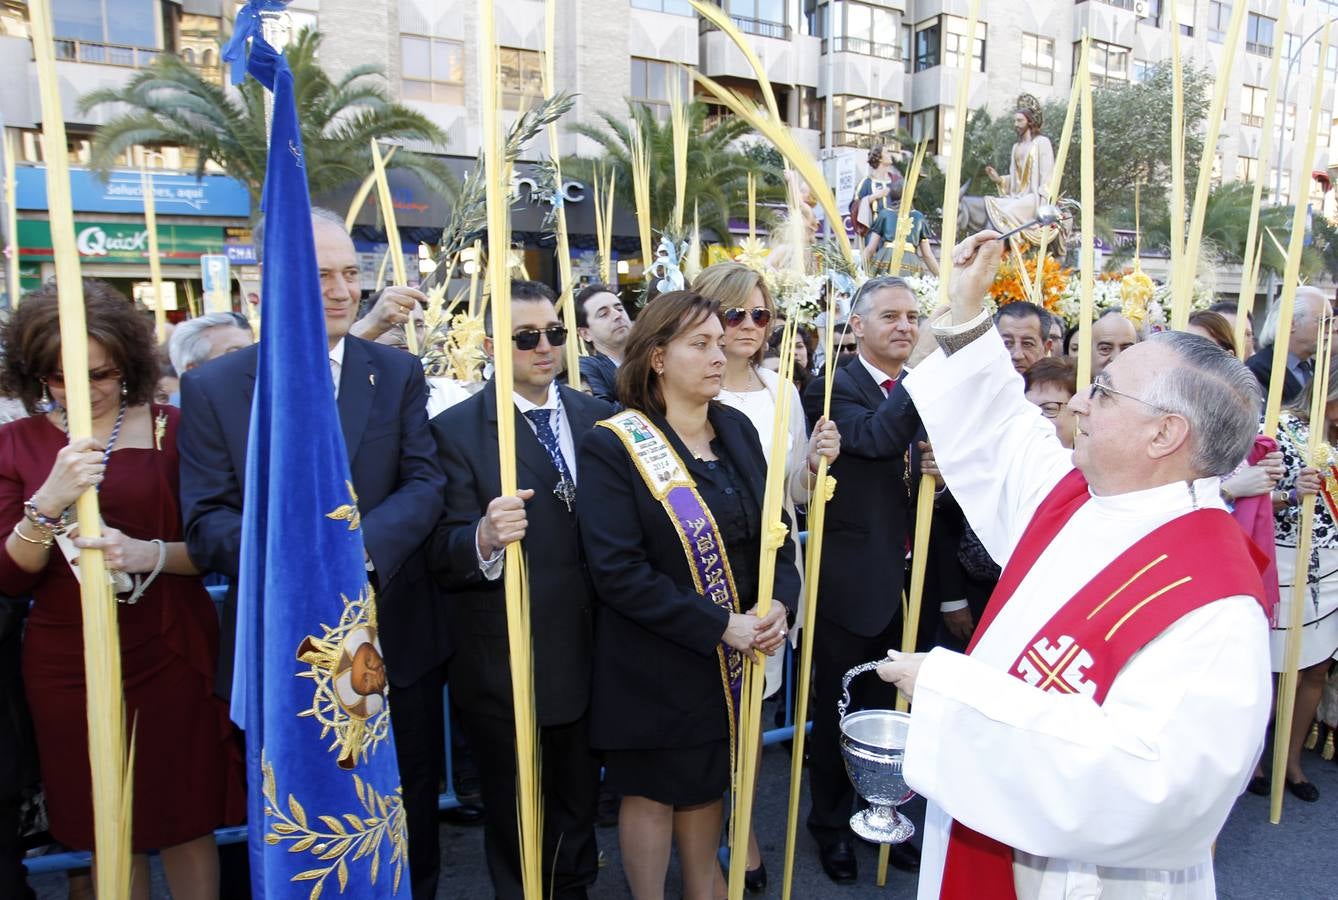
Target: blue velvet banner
326, 816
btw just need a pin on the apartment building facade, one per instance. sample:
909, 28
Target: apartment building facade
848, 73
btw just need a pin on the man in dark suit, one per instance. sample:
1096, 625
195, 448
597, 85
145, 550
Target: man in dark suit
602, 323
1307, 311
864, 549
466, 552
382, 399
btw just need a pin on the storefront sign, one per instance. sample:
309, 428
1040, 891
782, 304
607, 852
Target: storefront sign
123, 192
123, 242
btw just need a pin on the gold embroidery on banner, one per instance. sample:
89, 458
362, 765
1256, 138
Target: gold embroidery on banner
348, 511
1129, 615
1137, 575
348, 669
343, 839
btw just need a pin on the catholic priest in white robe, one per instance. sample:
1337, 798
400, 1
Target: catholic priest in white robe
1113, 704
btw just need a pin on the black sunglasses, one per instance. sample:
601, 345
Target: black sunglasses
734, 316
529, 338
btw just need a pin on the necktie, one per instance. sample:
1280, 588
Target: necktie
543, 429
887, 386
334, 375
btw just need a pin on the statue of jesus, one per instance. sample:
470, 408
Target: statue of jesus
1032, 161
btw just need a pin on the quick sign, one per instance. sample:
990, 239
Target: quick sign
123, 192
123, 242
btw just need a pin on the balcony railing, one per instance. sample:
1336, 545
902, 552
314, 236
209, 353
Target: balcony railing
864, 48
105, 54
1258, 49
760, 27
1252, 121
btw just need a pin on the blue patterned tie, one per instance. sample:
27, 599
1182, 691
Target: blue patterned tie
543, 427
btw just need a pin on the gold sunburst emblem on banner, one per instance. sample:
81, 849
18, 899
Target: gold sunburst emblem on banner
346, 664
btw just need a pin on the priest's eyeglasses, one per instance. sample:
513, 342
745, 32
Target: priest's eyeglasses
1101, 387
528, 339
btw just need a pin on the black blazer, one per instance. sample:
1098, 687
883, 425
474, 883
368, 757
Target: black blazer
657, 678
1261, 364
383, 411
600, 375
560, 592
869, 516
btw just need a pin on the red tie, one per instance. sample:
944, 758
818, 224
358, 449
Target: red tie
887, 385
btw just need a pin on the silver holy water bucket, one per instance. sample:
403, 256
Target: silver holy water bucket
873, 743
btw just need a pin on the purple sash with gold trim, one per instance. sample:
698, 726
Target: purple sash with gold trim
668, 480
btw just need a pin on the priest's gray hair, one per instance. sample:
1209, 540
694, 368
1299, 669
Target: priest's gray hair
1217, 396
864, 296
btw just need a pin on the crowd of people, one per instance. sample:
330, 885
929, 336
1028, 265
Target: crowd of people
640, 513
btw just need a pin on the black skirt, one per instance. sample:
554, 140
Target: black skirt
676, 776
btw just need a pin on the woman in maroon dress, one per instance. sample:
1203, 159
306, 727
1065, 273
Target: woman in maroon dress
187, 769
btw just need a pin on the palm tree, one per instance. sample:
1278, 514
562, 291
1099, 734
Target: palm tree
717, 167
172, 103
1225, 223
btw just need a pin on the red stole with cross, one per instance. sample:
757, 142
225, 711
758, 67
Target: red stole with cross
1185, 564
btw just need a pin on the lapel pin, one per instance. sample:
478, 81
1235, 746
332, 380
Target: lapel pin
371, 376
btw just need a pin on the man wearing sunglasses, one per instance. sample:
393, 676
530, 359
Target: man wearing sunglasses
466, 553
1114, 698
382, 401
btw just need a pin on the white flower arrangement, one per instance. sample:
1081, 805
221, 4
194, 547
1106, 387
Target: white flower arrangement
797, 296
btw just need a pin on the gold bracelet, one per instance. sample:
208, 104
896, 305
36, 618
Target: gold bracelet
47, 542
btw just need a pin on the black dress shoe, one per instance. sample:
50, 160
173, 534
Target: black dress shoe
904, 857
1303, 790
466, 815
755, 880
1258, 786
838, 861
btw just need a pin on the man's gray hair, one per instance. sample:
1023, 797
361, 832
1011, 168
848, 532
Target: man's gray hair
1216, 395
864, 296
1268, 332
190, 343
319, 213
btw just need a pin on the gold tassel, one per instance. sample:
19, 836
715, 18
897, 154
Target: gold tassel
1328, 746
1312, 739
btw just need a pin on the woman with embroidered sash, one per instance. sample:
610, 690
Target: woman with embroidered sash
747, 311
1319, 633
671, 525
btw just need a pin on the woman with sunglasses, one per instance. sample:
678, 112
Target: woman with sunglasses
747, 311
670, 514
187, 769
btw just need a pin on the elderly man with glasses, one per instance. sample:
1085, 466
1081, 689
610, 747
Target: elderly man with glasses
1113, 701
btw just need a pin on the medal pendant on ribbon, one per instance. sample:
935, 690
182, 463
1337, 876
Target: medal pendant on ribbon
566, 492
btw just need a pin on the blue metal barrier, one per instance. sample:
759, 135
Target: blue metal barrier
59, 862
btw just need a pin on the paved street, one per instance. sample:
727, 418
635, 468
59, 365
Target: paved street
1255, 861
